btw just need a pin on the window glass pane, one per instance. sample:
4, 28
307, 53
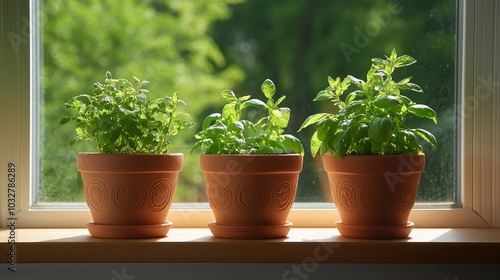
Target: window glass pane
165, 42
199, 48
299, 43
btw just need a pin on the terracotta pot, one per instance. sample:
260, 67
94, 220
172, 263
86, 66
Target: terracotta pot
129, 195
251, 195
374, 194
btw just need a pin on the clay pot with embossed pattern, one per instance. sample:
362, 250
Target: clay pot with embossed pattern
129, 195
251, 195
374, 194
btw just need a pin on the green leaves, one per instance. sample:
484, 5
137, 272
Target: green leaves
210, 119
314, 119
279, 117
228, 95
388, 102
380, 129
227, 133
370, 119
426, 135
292, 143
118, 118
268, 88
254, 103
404, 60
423, 111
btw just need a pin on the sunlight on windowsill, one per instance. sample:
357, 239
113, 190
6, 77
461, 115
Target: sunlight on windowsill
457, 245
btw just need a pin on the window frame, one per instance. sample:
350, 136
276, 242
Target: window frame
478, 140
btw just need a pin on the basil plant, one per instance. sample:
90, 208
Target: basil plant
229, 132
371, 118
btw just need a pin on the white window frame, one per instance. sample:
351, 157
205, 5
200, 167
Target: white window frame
479, 130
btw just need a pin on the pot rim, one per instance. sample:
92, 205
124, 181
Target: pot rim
261, 163
96, 162
370, 164
127, 154
252, 155
372, 156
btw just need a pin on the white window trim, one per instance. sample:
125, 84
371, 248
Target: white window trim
479, 80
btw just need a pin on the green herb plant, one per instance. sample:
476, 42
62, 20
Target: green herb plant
371, 119
119, 119
228, 133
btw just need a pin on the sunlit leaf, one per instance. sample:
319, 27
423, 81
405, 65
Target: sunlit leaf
427, 136
423, 111
315, 144
254, 103
314, 119
292, 143
404, 60
268, 88
229, 95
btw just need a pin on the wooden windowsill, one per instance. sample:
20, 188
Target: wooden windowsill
197, 245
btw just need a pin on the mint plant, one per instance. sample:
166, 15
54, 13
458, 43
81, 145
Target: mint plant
118, 118
371, 119
228, 133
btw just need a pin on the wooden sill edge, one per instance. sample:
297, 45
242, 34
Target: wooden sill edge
197, 245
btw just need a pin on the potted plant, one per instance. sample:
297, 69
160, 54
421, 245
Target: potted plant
251, 169
372, 157
130, 182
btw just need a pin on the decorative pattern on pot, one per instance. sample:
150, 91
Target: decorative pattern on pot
251, 196
161, 194
405, 197
347, 195
282, 195
129, 195
376, 197
219, 196
97, 194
